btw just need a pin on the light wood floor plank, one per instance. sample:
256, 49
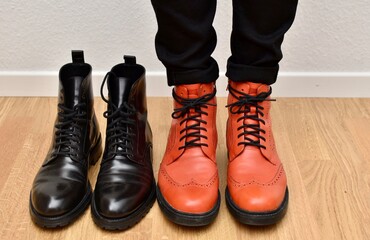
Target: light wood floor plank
323, 143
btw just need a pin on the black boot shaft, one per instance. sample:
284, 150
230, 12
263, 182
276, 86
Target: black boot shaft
75, 91
127, 84
75, 84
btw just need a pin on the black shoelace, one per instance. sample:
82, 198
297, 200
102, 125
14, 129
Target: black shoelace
120, 125
243, 105
195, 129
69, 130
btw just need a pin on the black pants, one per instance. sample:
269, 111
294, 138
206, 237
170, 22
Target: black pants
186, 39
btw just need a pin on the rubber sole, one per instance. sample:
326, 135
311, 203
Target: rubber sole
125, 222
71, 216
257, 218
187, 219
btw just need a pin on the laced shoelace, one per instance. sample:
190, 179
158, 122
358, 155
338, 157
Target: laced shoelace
69, 130
120, 123
192, 131
243, 105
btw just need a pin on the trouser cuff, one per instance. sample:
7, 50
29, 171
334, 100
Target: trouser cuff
243, 73
208, 75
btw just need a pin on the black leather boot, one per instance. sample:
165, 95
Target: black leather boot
61, 190
125, 188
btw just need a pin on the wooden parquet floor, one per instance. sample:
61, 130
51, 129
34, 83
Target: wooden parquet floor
323, 143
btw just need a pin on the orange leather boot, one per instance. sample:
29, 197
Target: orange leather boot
188, 179
256, 192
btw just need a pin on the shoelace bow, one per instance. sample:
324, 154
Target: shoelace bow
69, 131
120, 123
243, 105
195, 129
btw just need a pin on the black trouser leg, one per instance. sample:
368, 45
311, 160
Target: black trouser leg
258, 31
186, 39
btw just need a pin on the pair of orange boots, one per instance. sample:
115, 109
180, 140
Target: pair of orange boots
188, 183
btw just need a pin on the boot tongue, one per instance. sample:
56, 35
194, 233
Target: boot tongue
72, 95
71, 89
192, 91
252, 89
119, 90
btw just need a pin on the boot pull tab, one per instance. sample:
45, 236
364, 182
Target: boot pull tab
78, 56
129, 59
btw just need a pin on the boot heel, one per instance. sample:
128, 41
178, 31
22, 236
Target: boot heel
96, 152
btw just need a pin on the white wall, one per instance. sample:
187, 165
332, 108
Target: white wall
329, 44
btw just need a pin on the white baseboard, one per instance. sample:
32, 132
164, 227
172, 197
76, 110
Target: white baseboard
289, 84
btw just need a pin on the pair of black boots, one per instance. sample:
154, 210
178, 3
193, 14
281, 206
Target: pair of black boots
125, 188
